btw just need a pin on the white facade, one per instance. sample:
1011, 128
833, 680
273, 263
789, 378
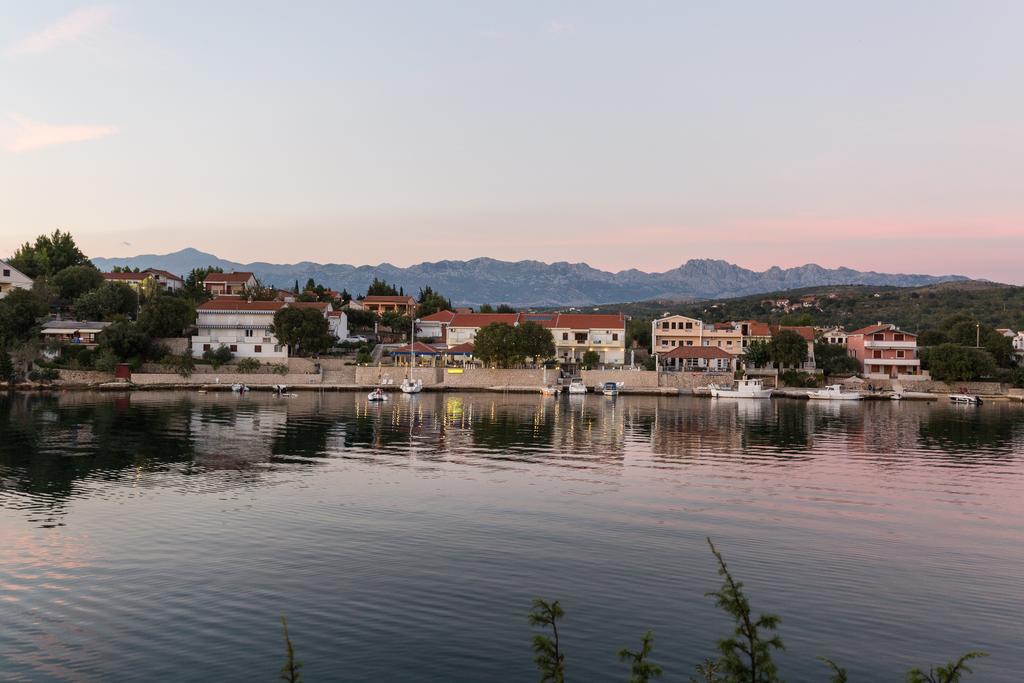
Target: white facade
247, 333
572, 343
167, 281
12, 278
339, 324
836, 335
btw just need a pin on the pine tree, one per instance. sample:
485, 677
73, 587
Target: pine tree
641, 670
290, 670
547, 653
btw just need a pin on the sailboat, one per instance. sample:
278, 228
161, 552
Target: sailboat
409, 385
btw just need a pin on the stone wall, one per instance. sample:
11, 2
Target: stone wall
633, 379
932, 386
176, 345
694, 380
341, 375
371, 374
484, 378
225, 378
85, 377
203, 369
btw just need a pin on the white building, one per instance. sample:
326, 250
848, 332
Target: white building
166, 280
574, 333
834, 335
11, 278
242, 326
228, 284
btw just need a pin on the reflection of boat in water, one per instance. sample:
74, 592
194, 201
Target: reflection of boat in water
411, 386
611, 388
742, 388
377, 395
834, 392
966, 399
576, 386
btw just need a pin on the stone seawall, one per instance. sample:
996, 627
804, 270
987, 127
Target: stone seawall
225, 378
485, 378
372, 375
85, 377
932, 386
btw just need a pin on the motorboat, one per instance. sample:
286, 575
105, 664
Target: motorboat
377, 395
550, 390
611, 388
239, 388
411, 386
966, 399
576, 386
741, 388
834, 392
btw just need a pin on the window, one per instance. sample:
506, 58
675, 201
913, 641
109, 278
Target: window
206, 347
257, 349
615, 336
897, 337
266, 340
234, 348
7, 273
565, 336
689, 326
248, 333
581, 337
664, 326
879, 337
689, 343
901, 354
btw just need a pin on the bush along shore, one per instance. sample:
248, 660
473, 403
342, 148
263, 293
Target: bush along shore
744, 656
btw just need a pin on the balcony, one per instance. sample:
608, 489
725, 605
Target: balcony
870, 344
893, 361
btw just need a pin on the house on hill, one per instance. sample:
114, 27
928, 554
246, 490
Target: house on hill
12, 278
228, 284
885, 352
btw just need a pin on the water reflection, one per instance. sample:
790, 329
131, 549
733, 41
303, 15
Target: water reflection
51, 443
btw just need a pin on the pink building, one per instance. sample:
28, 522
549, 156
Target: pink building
885, 352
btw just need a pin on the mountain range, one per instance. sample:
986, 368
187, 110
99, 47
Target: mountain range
533, 283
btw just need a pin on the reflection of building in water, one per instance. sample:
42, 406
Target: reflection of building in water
692, 427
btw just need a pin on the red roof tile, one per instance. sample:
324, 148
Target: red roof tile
239, 304
420, 347
169, 276
133, 277
590, 321
482, 319
381, 299
240, 276
460, 349
439, 317
806, 332
881, 327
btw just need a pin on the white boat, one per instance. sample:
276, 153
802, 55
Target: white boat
577, 386
377, 395
968, 399
411, 386
611, 388
239, 388
834, 392
741, 388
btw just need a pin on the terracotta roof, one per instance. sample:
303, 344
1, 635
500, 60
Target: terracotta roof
589, 321
465, 348
757, 329
335, 314
318, 305
239, 304
880, 327
169, 276
482, 319
708, 352
380, 299
240, 276
439, 317
420, 347
134, 277
806, 332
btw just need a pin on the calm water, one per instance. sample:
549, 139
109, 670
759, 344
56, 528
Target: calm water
161, 536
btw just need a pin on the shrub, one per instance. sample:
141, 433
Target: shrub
795, 378
248, 365
104, 361
182, 364
218, 356
44, 375
280, 369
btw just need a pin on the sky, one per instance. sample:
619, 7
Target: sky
875, 135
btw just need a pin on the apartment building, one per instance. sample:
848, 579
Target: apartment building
675, 331
228, 284
380, 304
245, 327
885, 352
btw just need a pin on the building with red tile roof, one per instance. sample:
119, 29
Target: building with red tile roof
380, 304
885, 351
698, 359
228, 284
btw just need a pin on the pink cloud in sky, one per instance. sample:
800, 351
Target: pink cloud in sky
21, 134
68, 29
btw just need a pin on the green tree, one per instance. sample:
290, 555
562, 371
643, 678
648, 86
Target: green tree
485, 308
504, 308
258, 292
498, 344
183, 364
747, 654
107, 301
788, 348
535, 341
547, 649
49, 255
218, 356
950, 673
74, 281
758, 354
20, 312
834, 359
290, 670
125, 340
955, 363
194, 288
381, 288
590, 359
166, 316
639, 330
360, 320
968, 333
641, 670
838, 672
431, 302
396, 321
304, 330
6, 367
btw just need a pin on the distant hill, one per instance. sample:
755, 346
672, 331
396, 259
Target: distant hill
532, 283
912, 308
